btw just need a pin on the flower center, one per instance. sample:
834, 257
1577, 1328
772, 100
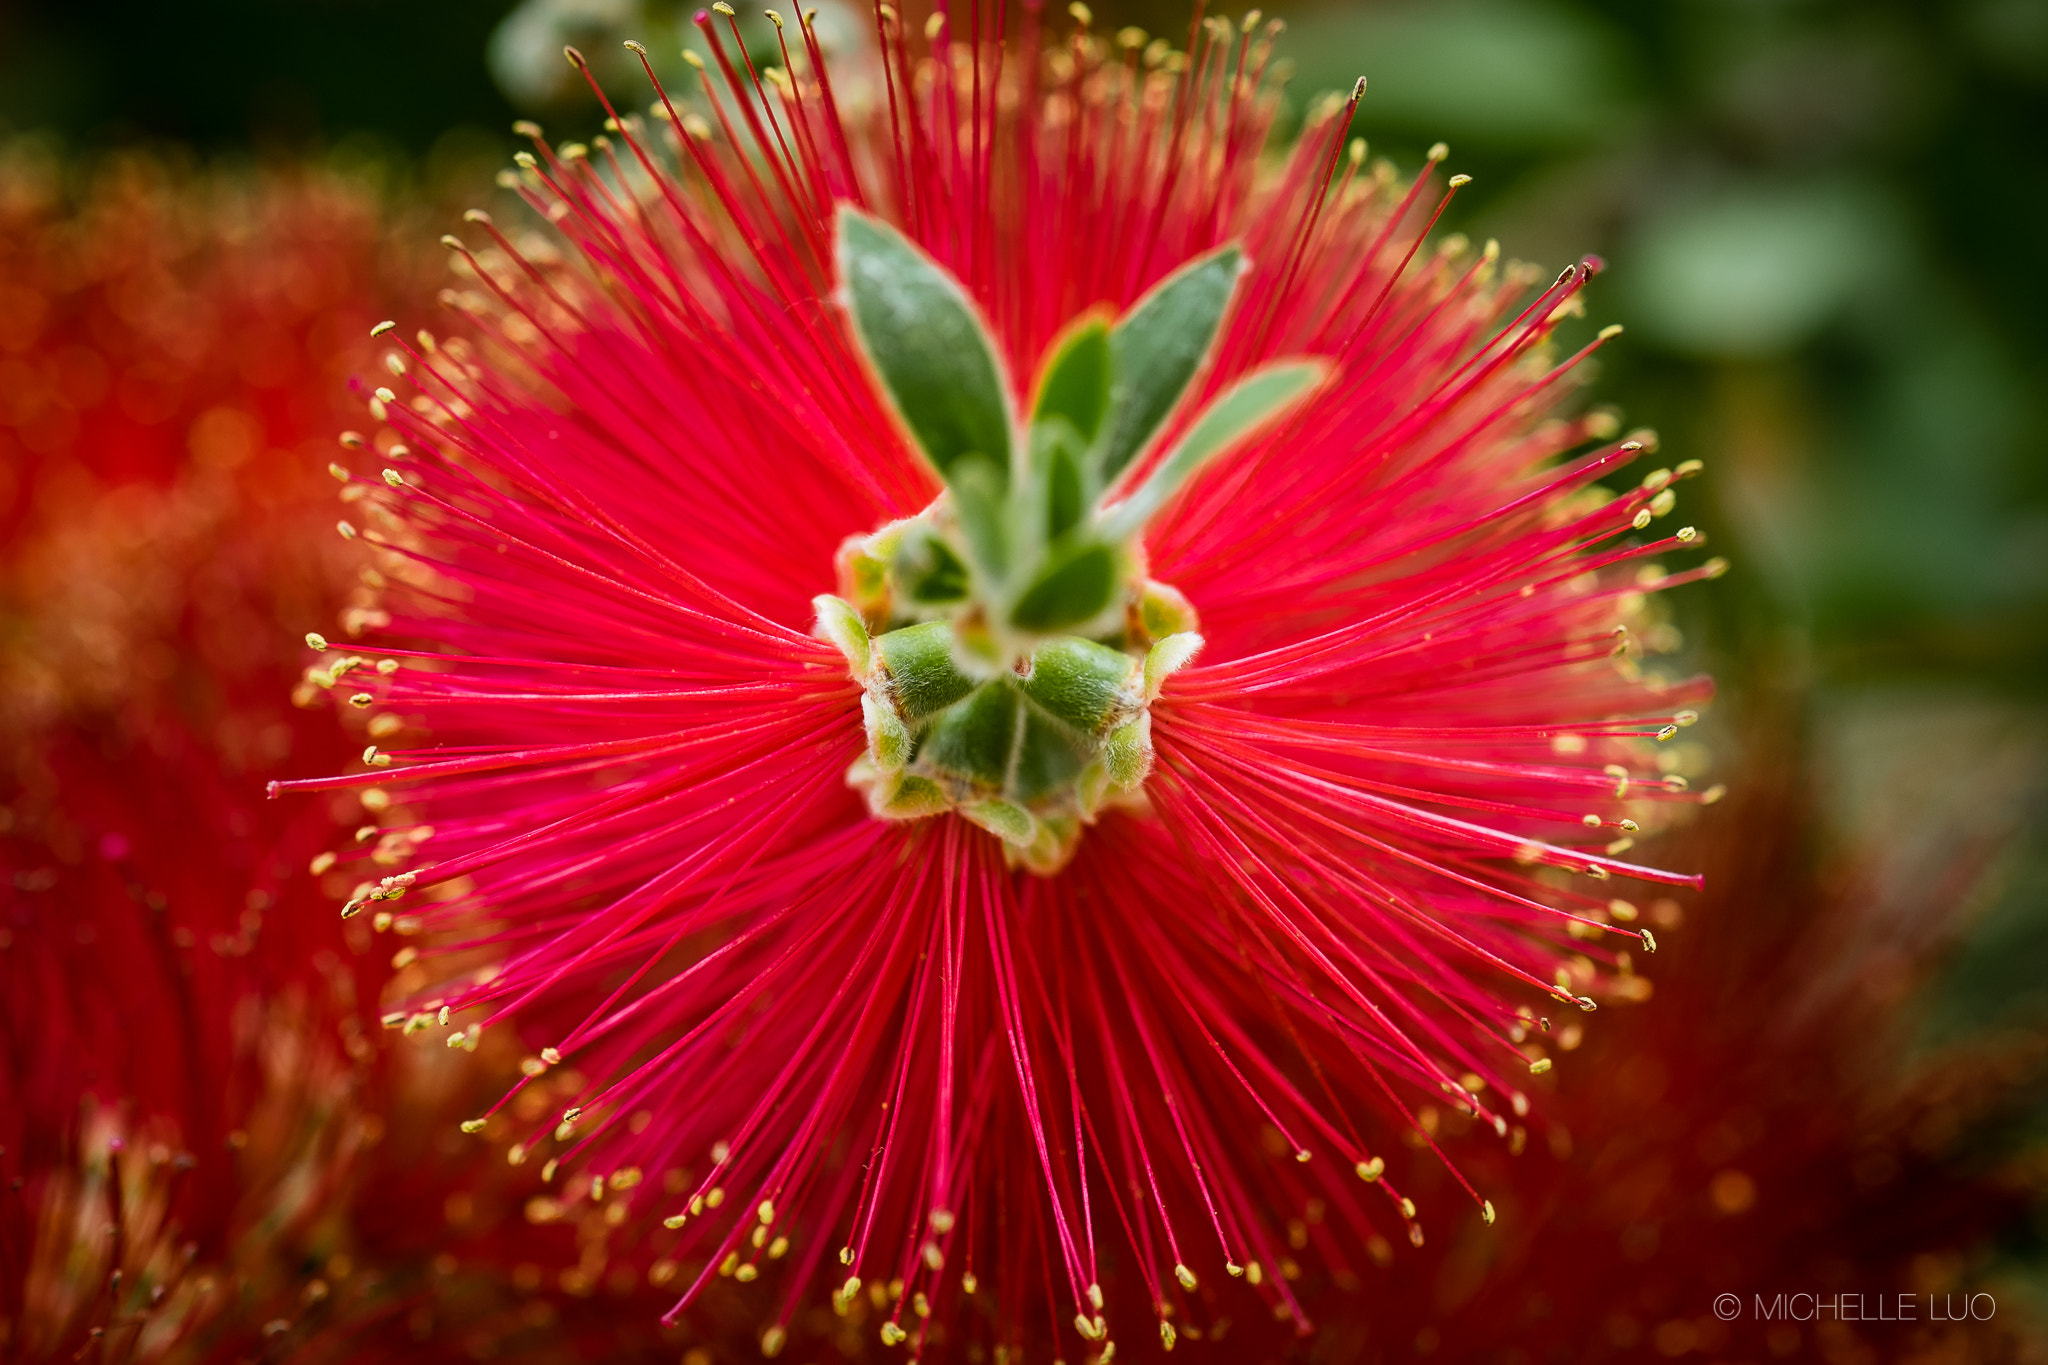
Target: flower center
1030, 742
1007, 639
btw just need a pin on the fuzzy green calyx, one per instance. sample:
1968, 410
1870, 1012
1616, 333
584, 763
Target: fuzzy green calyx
1031, 754
1008, 638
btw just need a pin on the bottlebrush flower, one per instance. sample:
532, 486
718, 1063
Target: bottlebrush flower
203, 1156
174, 1038
1776, 1122
185, 1046
795, 577
166, 336
1765, 1127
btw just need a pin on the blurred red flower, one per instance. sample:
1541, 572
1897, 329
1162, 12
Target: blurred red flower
183, 1041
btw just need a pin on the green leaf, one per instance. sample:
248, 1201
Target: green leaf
1080, 683
976, 739
1251, 403
909, 797
1167, 658
927, 344
1075, 587
841, 624
1075, 383
1010, 823
1059, 499
930, 574
1156, 350
978, 489
1064, 501
888, 736
923, 679
1127, 753
1047, 761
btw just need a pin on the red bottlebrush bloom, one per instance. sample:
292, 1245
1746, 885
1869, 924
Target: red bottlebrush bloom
185, 1045
174, 1035
165, 334
789, 708
203, 1155
1775, 1123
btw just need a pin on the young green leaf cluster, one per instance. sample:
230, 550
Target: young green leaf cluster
1025, 543
1007, 637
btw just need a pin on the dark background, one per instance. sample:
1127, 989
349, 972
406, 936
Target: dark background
1824, 223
